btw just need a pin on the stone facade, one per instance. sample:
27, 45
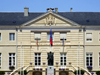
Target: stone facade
76, 45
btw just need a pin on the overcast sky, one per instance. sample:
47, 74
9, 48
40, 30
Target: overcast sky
42, 5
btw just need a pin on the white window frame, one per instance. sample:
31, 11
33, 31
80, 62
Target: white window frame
63, 34
0, 36
0, 60
99, 37
48, 35
63, 65
35, 38
12, 36
88, 39
37, 59
89, 55
12, 59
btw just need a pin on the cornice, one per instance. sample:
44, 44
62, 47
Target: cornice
48, 27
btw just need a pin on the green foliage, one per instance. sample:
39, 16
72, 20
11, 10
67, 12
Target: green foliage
82, 71
2, 72
25, 72
98, 72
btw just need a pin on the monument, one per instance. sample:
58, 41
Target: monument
50, 69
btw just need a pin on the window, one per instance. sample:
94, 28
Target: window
11, 59
0, 36
48, 36
99, 59
89, 59
11, 36
99, 36
63, 36
88, 36
38, 36
0, 59
37, 59
63, 59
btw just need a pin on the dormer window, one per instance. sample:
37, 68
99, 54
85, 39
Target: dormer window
63, 36
88, 36
38, 36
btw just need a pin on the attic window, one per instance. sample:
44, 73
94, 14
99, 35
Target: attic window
87, 21
14, 21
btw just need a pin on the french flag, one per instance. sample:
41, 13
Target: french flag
51, 42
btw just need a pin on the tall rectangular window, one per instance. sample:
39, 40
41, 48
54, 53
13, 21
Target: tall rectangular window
63, 59
0, 59
88, 36
99, 59
63, 36
11, 59
0, 36
11, 36
37, 59
48, 36
99, 36
89, 59
38, 36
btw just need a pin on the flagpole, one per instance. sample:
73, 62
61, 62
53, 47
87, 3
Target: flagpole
79, 60
20, 57
63, 44
50, 31
37, 43
23, 59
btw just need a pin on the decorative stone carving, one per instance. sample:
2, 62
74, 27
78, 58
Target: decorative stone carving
50, 20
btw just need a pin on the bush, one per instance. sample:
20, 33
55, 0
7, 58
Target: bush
82, 71
98, 72
2, 72
25, 72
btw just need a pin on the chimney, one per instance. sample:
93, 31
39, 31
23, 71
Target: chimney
26, 11
56, 10
71, 9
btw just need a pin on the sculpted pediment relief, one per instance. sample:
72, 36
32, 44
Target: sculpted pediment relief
50, 19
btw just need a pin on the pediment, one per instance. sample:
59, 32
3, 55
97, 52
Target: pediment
50, 19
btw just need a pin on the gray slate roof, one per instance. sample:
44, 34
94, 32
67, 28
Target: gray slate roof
82, 18
17, 18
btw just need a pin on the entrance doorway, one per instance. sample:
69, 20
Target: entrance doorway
37, 73
63, 73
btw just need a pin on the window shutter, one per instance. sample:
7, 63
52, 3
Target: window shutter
0, 36
89, 35
99, 35
63, 35
37, 35
48, 37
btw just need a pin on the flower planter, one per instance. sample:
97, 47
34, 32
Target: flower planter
30, 63
56, 63
44, 63
89, 68
11, 67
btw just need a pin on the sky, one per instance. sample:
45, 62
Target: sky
42, 5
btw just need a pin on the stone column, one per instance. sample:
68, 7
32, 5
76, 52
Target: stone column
56, 73
30, 73
43, 73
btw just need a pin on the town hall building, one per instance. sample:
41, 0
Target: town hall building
25, 42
